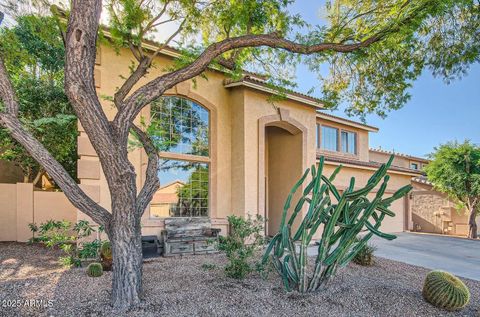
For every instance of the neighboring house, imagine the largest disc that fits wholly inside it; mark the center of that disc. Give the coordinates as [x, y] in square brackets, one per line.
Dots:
[242, 153]
[430, 211]
[434, 212]
[165, 202]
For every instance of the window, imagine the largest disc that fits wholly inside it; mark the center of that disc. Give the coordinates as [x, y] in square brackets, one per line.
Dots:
[414, 166]
[349, 142]
[329, 138]
[185, 193]
[180, 130]
[180, 126]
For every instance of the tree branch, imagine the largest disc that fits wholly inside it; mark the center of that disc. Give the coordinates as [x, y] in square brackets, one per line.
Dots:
[7, 92]
[158, 86]
[152, 183]
[10, 121]
[141, 70]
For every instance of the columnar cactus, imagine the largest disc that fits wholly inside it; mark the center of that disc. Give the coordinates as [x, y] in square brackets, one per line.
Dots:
[341, 215]
[94, 269]
[445, 290]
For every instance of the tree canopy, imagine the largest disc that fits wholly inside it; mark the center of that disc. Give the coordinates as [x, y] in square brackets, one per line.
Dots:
[405, 38]
[33, 52]
[455, 170]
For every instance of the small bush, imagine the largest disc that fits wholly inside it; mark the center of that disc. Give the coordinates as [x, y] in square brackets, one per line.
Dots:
[365, 255]
[89, 250]
[94, 269]
[246, 235]
[445, 290]
[66, 236]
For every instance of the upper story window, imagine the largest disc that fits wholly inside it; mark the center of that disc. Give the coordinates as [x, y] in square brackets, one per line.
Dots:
[329, 138]
[180, 130]
[349, 142]
[336, 140]
[414, 166]
[179, 125]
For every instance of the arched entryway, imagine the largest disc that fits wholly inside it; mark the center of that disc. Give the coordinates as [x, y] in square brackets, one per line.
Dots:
[282, 159]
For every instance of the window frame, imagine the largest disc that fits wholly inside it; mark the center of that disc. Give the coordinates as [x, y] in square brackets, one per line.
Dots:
[339, 140]
[191, 157]
[321, 136]
[417, 166]
[355, 134]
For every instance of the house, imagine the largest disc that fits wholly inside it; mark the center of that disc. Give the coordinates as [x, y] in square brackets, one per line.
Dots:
[430, 210]
[230, 149]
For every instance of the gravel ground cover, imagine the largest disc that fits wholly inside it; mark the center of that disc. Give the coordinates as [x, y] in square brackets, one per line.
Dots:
[183, 287]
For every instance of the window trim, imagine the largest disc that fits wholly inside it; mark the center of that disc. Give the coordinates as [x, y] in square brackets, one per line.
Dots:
[339, 140]
[321, 135]
[356, 141]
[190, 157]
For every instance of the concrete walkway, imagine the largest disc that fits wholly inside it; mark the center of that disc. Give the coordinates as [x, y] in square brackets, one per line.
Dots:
[455, 255]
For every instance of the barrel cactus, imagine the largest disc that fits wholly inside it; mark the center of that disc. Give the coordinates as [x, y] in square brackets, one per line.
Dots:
[445, 290]
[340, 215]
[94, 269]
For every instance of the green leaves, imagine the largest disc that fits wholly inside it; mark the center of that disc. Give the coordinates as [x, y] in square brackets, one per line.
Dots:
[455, 170]
[33, 52]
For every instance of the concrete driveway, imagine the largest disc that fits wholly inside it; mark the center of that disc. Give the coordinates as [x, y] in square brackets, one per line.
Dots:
[455, 255]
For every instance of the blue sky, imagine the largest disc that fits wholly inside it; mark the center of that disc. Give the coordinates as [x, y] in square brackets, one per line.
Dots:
[436, 113]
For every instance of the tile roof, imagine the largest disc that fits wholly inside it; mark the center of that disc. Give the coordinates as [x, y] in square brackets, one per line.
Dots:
[369, 127]
[421, 159]
[263, 83]
[423, 180]
[367, 164]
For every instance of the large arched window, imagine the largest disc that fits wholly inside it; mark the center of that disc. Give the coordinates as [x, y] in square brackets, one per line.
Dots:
[180, 129]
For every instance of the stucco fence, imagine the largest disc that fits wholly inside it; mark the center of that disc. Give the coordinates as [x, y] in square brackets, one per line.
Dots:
[21, 205]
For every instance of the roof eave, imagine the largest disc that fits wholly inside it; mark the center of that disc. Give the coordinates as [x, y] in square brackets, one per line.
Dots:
[347, 122]
[260, 87]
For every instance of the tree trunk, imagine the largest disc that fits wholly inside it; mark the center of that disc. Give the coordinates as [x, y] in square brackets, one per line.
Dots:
[126, 239]
[472, 233]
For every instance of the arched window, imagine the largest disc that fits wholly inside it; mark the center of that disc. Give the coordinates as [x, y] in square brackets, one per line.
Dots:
[180, 130]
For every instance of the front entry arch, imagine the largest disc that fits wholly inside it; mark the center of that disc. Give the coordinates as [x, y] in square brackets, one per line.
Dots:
[282, 160]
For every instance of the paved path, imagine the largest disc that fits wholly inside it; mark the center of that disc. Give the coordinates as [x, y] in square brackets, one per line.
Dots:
[455, 255]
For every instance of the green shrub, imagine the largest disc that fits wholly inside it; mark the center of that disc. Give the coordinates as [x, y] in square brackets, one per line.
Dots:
[445, 290]
[341, 217]
[94, 269]
[365, 255]
[89, 250]
[66, 236]
[245, 236]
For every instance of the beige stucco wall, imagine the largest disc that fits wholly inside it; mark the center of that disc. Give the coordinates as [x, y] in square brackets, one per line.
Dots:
[239, 160]
[8, 214]
[20, 205]
[283, 169]
[234, 138]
